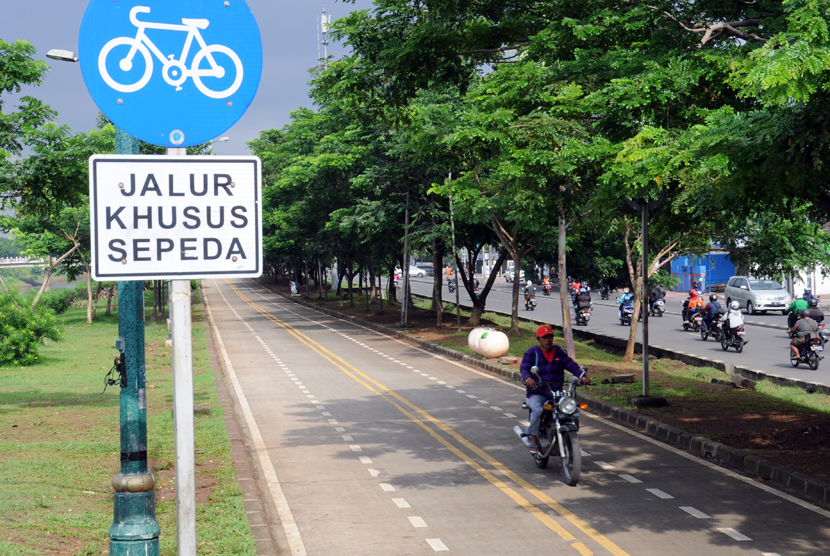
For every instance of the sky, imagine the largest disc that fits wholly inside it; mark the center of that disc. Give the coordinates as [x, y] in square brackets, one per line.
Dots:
[289, 42]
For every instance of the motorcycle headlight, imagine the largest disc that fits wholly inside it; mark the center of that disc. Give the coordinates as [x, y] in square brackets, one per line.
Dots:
[567, 405]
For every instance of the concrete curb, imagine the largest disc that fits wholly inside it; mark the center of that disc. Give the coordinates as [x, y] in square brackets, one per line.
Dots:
[814, 489]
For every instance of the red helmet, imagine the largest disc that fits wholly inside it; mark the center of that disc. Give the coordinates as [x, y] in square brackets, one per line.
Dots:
[693, 293]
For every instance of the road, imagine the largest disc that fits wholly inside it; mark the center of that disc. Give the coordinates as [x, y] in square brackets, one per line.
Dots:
[767, 351]
[371, 446]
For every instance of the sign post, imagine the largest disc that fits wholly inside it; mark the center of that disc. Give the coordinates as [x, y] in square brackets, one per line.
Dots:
[173, 74]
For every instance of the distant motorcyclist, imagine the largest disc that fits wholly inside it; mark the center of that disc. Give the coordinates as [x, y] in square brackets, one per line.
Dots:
[530, 291]
[808, 296]
[734, 318]
[798, 304]
[815, 313]
[583, 300]
[804, 329]
[692, 305]
[626, 298]
[711, 311]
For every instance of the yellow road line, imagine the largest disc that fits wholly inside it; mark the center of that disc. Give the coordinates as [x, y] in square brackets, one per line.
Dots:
[381, 389]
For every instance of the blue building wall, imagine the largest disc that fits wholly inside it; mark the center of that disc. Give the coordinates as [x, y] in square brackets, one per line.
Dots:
[697, 270]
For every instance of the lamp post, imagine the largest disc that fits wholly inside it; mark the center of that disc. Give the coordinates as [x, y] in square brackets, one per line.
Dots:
[134, 529]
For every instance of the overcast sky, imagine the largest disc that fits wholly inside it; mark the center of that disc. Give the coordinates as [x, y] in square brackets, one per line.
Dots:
[289, 44]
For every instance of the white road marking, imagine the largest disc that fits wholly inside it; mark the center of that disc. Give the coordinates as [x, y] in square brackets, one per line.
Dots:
[315, 401]
[770, 554]
[660, 494]
[450, 386]
[321, 407]
[374, 472]
[584, 453]
[461, 391]
[734, 534]
[604, 465]
[695, 512]
[470, 396]
[437, 545]
[630, 478]
[386, 487]
[339, 429]
[365, 459]
[496, 408]
[304, 391]
[417, 521]
[409, 367]
[325, 414]
[348, 438]
[433, 378]
[292, 532]
[356, 448]
[401, 503]
[510, 415]
[441, 382]
[333, 421]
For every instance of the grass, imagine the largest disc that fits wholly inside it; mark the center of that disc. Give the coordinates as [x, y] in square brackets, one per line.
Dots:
[59, 446]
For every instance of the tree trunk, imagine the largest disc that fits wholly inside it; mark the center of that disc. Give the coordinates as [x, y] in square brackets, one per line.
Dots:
[95, 303]
[372, 290]
[48, 274]
[109, 297]
[306, 277]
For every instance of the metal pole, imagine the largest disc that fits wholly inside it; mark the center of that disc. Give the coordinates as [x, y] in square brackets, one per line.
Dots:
[185, 444]
[134, 528]
[644, 296]
[405, 273]
[454, 258]
[563, 290]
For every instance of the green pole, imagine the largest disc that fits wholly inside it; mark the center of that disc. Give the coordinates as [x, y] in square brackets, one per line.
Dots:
[134, 530]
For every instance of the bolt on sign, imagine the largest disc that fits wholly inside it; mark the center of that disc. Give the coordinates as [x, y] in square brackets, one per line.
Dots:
[175, 217]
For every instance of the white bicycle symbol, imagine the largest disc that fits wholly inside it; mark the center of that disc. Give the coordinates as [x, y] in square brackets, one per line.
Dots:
[174, 71]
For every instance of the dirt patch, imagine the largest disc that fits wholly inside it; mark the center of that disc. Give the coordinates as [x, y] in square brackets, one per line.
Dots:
[166, 480]
[780, 431]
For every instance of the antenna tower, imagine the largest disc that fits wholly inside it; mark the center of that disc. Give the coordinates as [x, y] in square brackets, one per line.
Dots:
[323, 23]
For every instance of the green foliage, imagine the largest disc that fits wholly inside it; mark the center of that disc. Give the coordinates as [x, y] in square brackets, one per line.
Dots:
[8, 247]
[23, 330]
[56, 301]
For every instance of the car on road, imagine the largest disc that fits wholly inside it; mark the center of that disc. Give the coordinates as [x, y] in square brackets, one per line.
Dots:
[508, 275]
[413, 271]
[426, 267]
[755, 294]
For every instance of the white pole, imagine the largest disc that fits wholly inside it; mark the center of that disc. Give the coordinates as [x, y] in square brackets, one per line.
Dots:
[185, 444]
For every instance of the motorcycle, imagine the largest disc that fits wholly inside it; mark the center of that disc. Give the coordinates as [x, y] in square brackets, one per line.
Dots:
[558, 427]
[809, 353]
[733, 337]
[695, 321]
[713, 329]
[627, 313]
[451, 285]
[583, 316]
[604, 292]
[546, 289]
[530, 302]
[658, 307]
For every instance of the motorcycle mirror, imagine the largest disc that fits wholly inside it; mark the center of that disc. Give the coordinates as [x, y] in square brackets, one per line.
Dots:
[534, 370]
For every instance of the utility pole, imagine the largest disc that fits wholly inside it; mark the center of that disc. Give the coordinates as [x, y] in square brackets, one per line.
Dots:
[454, 258]
[134, 530]
[405, 272]
[644, 295]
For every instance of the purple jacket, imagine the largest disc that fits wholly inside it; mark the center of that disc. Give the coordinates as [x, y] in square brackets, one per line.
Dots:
[549, 372]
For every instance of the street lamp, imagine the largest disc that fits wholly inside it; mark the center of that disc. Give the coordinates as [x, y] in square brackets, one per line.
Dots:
[224, 139]
[134, 529]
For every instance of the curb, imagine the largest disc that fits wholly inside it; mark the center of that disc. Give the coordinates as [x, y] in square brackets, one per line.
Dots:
[809, 487]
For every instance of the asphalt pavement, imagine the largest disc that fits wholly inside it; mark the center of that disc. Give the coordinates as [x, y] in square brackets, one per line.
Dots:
[767, 351]
[369, 445]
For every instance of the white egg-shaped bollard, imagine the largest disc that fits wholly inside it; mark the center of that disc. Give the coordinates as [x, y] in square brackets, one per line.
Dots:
[493, 344]
[473, 337]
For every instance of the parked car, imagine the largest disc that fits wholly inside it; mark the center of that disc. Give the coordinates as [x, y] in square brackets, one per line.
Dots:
[508, 275]
[426, 267]
[413, 271]
[755, 294]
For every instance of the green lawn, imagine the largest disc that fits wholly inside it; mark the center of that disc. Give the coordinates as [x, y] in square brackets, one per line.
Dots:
[59, 446]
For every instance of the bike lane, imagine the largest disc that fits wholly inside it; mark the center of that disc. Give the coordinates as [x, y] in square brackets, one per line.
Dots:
[470, 417]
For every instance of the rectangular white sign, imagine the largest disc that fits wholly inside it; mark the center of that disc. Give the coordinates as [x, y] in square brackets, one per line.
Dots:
[175, 217]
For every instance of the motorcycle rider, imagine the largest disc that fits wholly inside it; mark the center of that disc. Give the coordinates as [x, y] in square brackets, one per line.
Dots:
[692, 305]
[734, 318]
[546, 284]
[712, 309]
[626, 297]
[530, 291]
[804, 329]
[815, 313]
[799, 304]
[583, 300]
[808, 295]
[551, 362]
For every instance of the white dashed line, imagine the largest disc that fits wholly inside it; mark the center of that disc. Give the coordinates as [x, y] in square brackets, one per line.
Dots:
[373, 472]
[333, 421]
[450, 386]
[630, 479]
[461, 391]
[510, 415]
[695, 512]
[584, 453]
[496, 408]
[356, 448]
[734, 534]
[309, 395]
[365, 459]
[660, 494]
[386, 487]
[325, 414]
[321, 407]
[433, 378]
[437, 545]
[441, 382]
[401, 503]
[339, 429]
[770, 554]
[483, 401]
[417, 521]
[470, 396]
[604, 465]
[315, 401]
[348, 438]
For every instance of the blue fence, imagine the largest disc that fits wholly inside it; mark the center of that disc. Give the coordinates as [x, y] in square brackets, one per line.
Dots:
[702, 272]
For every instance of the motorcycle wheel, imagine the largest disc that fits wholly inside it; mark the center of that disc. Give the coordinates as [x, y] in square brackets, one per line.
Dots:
[541, 462]
[703, 334]
[572, 462]
[739, 345]
[685, 327]
[724, 344]
[812, 360]
[794, 362]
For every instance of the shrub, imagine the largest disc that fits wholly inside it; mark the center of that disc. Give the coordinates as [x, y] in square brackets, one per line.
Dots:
[57, 300]
[22, 330]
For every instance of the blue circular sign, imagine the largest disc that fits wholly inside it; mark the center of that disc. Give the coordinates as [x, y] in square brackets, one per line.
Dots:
[175, 73]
